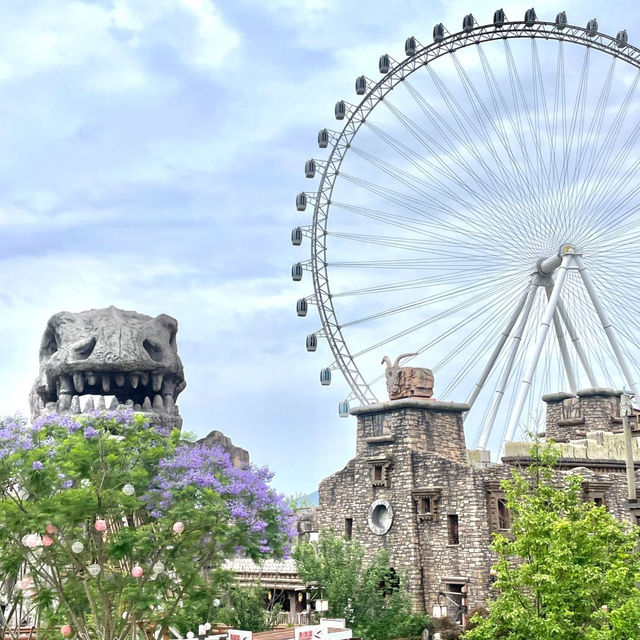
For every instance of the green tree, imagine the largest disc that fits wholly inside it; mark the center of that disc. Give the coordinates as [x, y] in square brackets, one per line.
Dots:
[247, 608]
[111, 525]
[570, 570]
[371, 597]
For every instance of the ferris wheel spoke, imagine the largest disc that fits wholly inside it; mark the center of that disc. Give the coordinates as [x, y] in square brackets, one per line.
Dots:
[519, 100]
[487, 284]
[404, 285]
[452, 149]
[508, 184]
[483, 116]
[422, 207]
[427, 227]
[603, 167]
[411, 181]
[441, 167]
[432, 319]
[576, 121]
[502, 110]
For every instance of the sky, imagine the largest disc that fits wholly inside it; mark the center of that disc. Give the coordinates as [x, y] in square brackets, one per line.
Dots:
[151, 153]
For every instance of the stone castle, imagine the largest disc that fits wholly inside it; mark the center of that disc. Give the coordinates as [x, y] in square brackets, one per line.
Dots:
[415, 490]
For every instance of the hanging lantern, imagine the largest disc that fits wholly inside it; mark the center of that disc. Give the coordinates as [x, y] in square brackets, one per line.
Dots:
[100, 525]
[50, 529]
[31, 540]
[47, 541]
[85, 483]
[178, 527]
[137, 571]
[216, 602]
[65, 630]
[77, 547]
[128, 489]
[94, 569]
[158, 567]
[300, 597]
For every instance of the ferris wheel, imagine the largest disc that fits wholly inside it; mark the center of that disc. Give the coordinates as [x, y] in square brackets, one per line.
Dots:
[480, 206]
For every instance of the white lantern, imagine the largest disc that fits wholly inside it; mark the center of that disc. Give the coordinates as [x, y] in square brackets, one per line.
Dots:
[158, 567]
[190, 635]
[77, 547]
[85, 483]
[128, 489]
[216, 602]
[94, 569]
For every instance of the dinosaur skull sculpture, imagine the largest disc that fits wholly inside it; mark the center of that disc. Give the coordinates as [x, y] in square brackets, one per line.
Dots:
[122, 357]
[407, 382]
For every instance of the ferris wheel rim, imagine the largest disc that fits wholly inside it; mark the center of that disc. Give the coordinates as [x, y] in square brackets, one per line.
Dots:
[331, 328]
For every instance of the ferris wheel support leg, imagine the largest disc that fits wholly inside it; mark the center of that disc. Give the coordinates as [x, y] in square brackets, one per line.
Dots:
[545, 323]
[504, 380]
[607, 326]
[577, 345]
[562, 343]
[501, 342]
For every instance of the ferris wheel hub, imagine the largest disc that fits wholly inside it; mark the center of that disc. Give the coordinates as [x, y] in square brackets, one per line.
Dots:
[546, 266]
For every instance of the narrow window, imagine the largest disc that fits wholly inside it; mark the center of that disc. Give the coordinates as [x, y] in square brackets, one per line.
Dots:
[348, 528]
[598, 501]
[377, 473]
[504, 517]
[425, 505]
[452, 526]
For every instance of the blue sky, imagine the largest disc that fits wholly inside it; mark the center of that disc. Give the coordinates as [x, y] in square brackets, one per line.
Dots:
[151, 153]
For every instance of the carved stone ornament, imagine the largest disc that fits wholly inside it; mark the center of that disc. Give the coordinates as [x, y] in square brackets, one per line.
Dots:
[407, 382]
[112, 358]
[380, 517]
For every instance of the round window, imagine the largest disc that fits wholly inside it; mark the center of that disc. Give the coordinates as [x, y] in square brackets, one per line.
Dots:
[380, 517]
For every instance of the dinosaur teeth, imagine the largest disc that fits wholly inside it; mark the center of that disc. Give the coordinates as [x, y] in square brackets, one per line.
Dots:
[75, 404]
[146, 405]
[119, 378]
[169, 404]
[78, 382]
[92, 378]
[101, 403]
[114, 404]
[89, 406]
[134, 379]
[144, 378]
[65, 385]
[157, 403]
[156, 381]
[64, 402]
[106, 382]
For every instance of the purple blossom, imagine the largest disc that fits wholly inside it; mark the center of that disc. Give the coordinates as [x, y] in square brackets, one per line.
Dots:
[90, 432]
[251, 502]
[67, 484]
[37, 465]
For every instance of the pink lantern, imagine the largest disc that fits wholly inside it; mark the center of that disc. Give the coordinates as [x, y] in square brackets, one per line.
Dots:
[178, 527]
[50, 529]
[100, 525]
[25, 583]
[47, 541]
[31, 541]
[65, 630]
[137, 571]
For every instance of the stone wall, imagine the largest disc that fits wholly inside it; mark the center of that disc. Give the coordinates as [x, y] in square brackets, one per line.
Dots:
[411, 457]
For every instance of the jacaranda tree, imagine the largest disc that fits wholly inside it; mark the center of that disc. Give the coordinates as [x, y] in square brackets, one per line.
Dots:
[108, 524]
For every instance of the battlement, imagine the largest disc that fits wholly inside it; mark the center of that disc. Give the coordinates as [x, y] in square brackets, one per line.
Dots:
[570, 416]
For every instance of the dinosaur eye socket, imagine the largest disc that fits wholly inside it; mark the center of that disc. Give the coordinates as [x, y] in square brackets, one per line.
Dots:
[153, 349]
